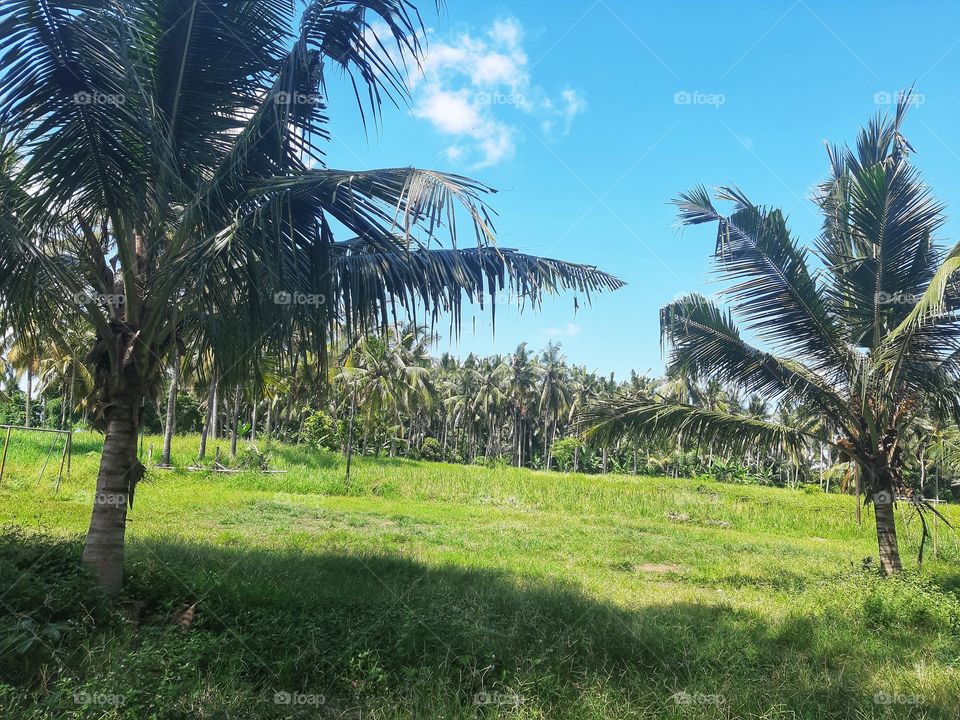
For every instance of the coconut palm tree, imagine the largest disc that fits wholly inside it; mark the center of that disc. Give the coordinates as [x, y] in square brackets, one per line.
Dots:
[871, 340]
[554, 395]
[521, 391]
[162, 178]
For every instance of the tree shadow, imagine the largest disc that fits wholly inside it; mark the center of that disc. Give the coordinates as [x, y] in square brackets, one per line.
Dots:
[429, 641]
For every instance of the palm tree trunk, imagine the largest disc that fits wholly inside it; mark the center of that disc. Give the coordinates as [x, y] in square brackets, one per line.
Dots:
[26, 404]
[266, 428]
[235, 423]
[211, 396]
[215, 415]
[171, 424]
[253, 421]
[63, 406]
[353, 410]
[120, 470]
[887, 535]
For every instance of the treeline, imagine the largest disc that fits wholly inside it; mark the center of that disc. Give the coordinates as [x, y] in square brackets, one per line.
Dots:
[388, 395]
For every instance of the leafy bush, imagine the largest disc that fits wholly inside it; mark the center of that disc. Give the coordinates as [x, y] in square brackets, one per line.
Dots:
[320, 430]
[563, 453]
[430, 449]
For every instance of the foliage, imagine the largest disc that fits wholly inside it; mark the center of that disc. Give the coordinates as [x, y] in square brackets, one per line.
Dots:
[321, 431]
[50, 602]
[430, 449]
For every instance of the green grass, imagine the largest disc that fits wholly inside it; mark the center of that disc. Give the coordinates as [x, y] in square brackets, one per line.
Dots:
[418, 586]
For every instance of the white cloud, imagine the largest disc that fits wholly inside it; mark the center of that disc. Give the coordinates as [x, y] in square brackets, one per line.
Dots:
[473, 83]
[571, 330]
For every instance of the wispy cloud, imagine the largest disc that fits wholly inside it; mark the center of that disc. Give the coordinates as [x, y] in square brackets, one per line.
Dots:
[473, 83]
[571, 330]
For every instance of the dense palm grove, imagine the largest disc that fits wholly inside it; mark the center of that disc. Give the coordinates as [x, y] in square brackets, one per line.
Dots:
[522, 409]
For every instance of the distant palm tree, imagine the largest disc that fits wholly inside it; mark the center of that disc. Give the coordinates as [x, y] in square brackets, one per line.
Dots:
[554, 396]
[521, 387]
[162, 178]
[871, 341]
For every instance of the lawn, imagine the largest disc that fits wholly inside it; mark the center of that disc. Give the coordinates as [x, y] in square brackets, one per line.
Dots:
[424, 590]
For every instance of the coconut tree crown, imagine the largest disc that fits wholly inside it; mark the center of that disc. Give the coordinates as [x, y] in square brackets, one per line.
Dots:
[867, 338]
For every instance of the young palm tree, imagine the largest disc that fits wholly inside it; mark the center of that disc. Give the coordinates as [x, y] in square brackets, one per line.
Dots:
[162, 178]
[871, 341]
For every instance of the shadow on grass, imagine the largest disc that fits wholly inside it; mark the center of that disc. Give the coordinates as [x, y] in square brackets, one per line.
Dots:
[221, 631]
[426, 640]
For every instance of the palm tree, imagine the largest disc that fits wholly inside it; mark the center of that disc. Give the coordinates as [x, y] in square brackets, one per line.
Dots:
[521, 384]
[871, 341]
[162, 172]
[554, 395]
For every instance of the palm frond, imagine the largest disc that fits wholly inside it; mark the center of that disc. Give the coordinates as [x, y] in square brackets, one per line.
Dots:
[705, 343]
[773, 290]
[647, 419]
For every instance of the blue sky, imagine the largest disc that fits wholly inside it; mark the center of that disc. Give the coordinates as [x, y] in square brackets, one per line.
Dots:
[588, 117]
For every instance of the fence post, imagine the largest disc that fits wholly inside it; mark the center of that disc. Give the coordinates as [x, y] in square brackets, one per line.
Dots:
[6, 444]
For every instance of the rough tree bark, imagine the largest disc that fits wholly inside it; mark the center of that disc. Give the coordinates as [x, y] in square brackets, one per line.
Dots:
[120, 470]
[882, 486]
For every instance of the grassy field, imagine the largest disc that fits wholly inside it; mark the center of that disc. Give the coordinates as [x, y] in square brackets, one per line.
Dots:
[423, 590]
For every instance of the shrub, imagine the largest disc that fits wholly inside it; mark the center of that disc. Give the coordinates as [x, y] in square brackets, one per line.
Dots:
[563, 452]
[430, 449]
[320, 430]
